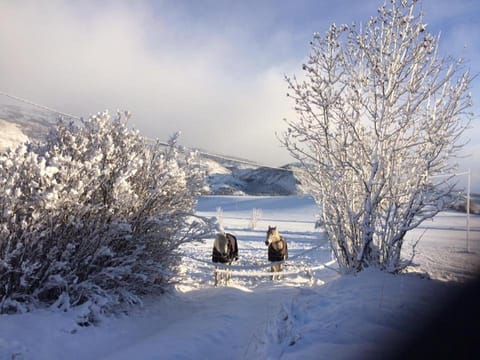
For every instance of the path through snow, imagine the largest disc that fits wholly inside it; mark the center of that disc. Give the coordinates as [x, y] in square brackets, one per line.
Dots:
[308, 314]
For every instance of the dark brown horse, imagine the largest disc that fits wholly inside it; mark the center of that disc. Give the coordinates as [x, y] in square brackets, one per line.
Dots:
[277, 248]
[225, 251]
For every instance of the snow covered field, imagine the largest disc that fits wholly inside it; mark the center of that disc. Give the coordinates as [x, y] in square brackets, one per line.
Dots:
[312, 313]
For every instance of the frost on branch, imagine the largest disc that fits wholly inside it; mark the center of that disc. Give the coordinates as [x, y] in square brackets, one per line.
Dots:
[93, 217]
[380, 114]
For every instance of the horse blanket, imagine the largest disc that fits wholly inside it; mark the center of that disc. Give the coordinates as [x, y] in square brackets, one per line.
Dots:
[278, 255]
[232, 253]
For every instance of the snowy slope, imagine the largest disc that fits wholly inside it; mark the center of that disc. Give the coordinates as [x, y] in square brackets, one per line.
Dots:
[226, 176]
[312, 313]
[32, 121]
[10, 135]
[229, 178]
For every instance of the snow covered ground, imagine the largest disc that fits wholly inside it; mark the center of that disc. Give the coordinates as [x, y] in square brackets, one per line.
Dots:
[312, 313]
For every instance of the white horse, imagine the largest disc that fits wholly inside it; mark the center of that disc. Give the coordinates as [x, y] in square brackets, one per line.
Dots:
[277, 248]
[225, 251]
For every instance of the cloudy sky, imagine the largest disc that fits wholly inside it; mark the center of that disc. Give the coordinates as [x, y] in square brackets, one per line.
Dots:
[211, 69]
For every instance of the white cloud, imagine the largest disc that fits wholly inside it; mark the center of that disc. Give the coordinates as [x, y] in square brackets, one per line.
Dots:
[218, 79]
[118, 56]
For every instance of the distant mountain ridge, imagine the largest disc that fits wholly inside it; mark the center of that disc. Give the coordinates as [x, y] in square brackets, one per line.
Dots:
[229, 175]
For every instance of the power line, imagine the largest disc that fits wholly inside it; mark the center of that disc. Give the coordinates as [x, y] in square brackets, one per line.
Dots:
[38, 105]
[222, 157]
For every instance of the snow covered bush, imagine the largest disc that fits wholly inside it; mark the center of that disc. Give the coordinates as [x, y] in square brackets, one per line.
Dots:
[255, 218]
[380, 115]
[219, 219]
[94, 217]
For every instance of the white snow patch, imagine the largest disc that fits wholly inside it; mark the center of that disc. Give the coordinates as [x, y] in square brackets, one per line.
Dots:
[10, 135]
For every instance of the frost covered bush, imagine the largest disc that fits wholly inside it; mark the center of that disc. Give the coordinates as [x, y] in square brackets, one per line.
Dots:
[255, 218]
[94, 217]
[220, 219]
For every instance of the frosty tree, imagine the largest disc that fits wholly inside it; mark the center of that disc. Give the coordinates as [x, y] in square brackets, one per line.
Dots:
[380, 113]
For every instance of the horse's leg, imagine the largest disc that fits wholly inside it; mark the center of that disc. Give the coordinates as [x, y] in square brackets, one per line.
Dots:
[222, 276]
[227, 276]
[216, 276]
[276, 269]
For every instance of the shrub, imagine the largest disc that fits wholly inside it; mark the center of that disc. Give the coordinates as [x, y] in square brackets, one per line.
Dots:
[256, 216]
[94, 216]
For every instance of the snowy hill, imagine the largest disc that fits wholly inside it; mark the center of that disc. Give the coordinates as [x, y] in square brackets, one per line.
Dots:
[226, 176]
[33, 123]
[239, 179]
[10, 135]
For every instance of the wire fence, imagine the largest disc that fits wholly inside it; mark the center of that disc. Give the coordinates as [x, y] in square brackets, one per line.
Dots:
[255, 270]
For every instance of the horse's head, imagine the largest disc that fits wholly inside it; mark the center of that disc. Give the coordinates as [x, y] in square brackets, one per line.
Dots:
[221, 243]
[272, 235]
